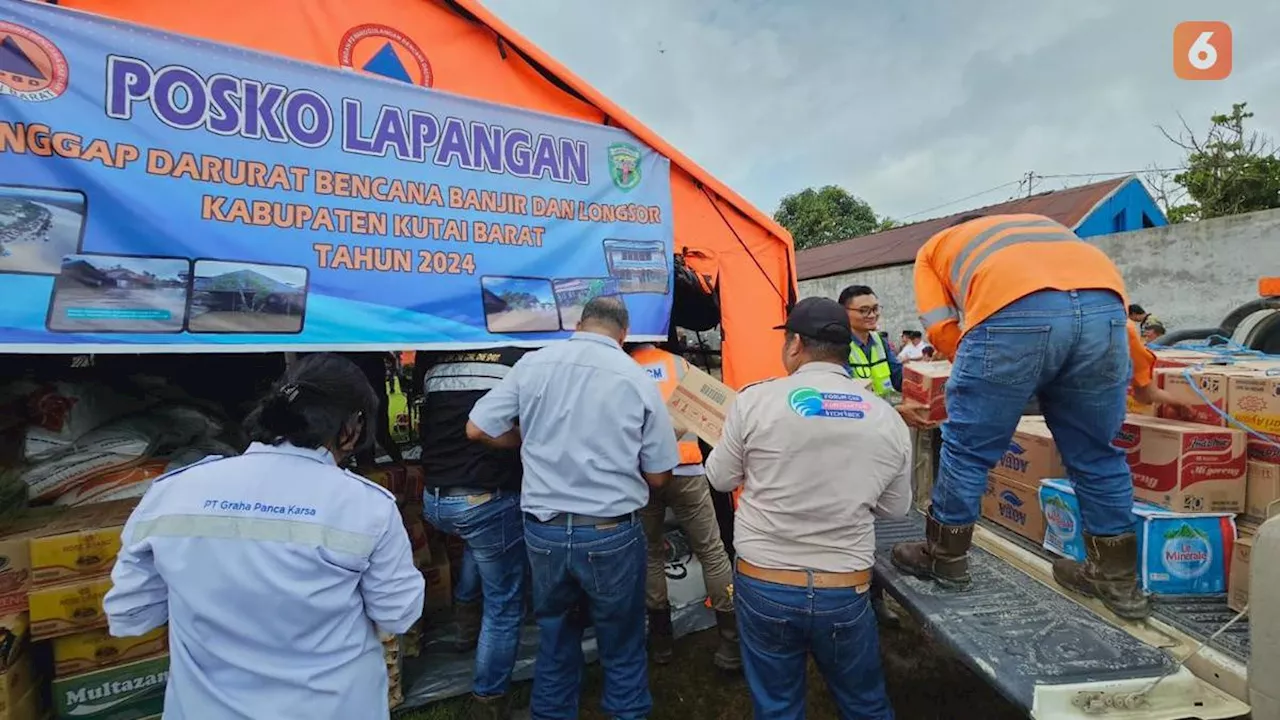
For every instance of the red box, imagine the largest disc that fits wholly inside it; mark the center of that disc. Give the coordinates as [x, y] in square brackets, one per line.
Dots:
[924, 383]
[1184, 466]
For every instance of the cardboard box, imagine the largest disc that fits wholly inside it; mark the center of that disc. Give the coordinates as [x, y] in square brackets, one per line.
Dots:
[1183, 466]
[15, 555]
[25, 708]
[699, 404]
[1262, 491]
[1238, 581]
[1254, 400]
[1032, 455]
[419, 534]
[83, 543]
[15, 634]
[1177, 358]
[439, 582]
[123, 692]
[1014, 504]
[68, 609]
[88, 651]
[1193, 386]
[16, 684]
[924, 384]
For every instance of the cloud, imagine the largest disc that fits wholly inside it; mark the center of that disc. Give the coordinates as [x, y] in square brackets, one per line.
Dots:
[907, 105]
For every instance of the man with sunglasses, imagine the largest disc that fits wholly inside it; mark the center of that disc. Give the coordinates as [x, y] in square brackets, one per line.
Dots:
[869, 355]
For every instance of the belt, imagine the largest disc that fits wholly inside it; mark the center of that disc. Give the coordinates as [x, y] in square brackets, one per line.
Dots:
[859, 580]
[462, 491]
[575, 520]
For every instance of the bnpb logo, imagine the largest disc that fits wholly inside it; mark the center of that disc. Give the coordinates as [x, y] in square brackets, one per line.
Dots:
[382, 50]
[31, 67]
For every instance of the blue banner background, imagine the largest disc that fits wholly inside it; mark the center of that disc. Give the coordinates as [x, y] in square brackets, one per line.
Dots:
[131, 212]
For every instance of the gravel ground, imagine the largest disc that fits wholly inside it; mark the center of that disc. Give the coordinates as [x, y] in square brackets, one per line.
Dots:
[924, 680]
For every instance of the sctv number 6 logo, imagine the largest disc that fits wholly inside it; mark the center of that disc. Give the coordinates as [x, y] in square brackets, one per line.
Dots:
[1202, 50]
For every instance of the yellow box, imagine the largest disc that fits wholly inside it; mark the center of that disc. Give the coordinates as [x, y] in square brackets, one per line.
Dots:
[25, 708]
[96, 649]
[67, 609]
[15, 633]
[87, 548]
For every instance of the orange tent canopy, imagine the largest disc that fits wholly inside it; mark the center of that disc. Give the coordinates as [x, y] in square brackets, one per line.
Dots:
[460, 47]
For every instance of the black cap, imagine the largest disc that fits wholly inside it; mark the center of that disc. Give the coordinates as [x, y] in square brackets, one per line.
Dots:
[819, 318]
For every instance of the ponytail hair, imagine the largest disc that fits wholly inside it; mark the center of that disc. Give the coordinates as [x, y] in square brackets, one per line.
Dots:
[313, 404]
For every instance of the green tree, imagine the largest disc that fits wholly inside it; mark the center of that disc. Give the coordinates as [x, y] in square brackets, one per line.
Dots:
[1229, 171]
[819, 216]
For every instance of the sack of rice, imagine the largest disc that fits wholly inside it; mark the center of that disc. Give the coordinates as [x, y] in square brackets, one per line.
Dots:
[126, 482]
[109, 449]
[59, 413]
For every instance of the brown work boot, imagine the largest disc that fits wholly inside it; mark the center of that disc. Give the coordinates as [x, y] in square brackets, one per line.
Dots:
[662, 641]
[943, 556]
[467, 617]
[1109, 573]
[728, 655]
[497, 707]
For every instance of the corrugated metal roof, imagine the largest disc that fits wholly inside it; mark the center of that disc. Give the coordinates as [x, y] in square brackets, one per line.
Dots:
[900, 245]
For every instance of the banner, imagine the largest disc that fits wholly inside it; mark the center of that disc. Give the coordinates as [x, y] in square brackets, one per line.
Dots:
[165, 194]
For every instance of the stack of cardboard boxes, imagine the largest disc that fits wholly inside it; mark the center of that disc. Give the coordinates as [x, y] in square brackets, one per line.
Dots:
[1247, 390]
[1201, 484]
[55, 568]
[924, 385]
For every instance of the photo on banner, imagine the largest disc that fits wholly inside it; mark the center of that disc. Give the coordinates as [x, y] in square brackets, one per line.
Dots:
[519, 304]
[119, 294]
[347, 211]
[38, 228]
[240, 297]
[572, 294]
[639, 266]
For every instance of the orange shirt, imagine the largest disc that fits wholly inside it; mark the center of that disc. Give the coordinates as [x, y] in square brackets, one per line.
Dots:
[966, 273]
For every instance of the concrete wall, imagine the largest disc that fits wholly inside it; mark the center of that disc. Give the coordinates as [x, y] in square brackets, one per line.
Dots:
[1188, 275]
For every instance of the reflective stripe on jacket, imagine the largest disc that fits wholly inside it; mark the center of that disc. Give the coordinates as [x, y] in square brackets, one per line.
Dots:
[668, 370]
[966, 273]
[876, 368]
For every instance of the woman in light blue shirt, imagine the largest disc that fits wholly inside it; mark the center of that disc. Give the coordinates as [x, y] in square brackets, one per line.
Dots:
[274, 569]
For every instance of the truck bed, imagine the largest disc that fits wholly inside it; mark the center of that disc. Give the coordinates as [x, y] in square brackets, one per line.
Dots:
[1017, 633]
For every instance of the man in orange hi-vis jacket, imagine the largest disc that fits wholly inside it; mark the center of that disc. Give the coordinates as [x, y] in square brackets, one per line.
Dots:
[1024, 309]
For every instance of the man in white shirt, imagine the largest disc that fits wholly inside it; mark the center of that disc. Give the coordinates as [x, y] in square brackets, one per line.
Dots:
[913, 346]
[818, 457]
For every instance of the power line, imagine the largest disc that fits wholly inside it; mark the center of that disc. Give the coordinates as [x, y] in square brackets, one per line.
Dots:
[960, 200]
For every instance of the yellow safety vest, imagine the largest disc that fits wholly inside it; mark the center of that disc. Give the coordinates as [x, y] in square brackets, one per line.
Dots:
[668, 370]
[876, 368]
[398, 413]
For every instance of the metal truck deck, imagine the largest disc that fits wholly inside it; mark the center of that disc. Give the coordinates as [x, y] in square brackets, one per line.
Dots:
[1037, 646]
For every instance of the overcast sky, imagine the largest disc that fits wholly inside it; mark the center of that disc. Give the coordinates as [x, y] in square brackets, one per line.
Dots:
[909, 105]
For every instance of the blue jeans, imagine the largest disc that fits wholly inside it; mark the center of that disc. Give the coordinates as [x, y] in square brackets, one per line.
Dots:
[1070, 348]
[607, 566]
[781, 626]
[466, 584]
[494, 538]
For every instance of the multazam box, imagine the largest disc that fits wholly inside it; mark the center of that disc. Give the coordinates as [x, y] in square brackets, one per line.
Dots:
[1014, 504]
[123, 692]
[1179, 553]
[1185, 466]
[924, 384]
